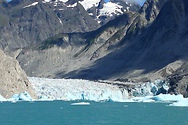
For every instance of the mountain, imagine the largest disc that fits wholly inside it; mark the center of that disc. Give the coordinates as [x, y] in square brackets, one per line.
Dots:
[28, 22]
[66, 55]
[136, 46]
[13, 79]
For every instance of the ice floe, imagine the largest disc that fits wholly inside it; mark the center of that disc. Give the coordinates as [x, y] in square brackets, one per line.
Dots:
[81, 103]
[181, 103]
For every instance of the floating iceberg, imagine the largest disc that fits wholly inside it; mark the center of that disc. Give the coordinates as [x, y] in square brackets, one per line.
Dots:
[81, 103]
[159, 98]
[181, 103]
[167, 97]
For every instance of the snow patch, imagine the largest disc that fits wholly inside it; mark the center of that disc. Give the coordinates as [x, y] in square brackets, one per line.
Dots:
[33, 4]
[167, 97]
[60, 21]
[89, 3]
[47, 1]
[74, 5]
[110, 8]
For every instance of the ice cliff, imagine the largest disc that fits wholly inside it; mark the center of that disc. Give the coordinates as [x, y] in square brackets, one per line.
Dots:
[74, 89]
[84, 90]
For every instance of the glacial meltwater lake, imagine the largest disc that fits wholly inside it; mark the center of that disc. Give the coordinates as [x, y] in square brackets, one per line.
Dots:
[107, 113]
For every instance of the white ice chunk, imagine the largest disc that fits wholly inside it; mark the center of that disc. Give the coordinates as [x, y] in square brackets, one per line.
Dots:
[2, 99]
[159, 98]
[81, 103]
[167, 97]
[181, 103]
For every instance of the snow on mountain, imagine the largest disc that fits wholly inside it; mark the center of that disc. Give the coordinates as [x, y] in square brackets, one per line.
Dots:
[100, 10]
[110, 8]
[74, 5]
[87, 4]
[33, 4]
[46, 1]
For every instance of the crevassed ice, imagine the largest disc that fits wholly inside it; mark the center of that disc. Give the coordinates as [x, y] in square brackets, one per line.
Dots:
[76, 89]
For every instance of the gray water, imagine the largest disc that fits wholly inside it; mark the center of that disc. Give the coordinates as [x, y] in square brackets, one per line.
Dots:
[108, 113]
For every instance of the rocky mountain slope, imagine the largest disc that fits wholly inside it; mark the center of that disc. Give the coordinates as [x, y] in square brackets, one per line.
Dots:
[64, 55]
[13, 79]
[28, 22]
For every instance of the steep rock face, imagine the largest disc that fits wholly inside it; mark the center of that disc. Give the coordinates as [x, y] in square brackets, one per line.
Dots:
[151, 9]
[163, 43]
[147, 14]
[13, 79]
[160, 51]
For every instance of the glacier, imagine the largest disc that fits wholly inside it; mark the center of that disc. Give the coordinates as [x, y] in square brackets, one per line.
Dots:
[76, 89]
[99, 91]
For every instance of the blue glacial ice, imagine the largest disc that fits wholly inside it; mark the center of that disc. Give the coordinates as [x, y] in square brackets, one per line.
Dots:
[24, 96]
[69, 89]
[77, 89]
